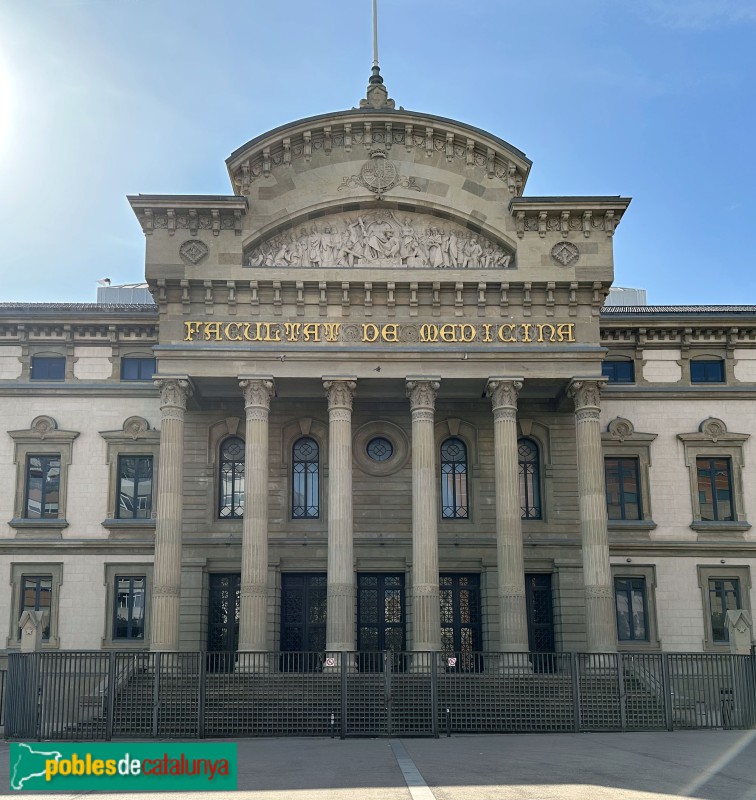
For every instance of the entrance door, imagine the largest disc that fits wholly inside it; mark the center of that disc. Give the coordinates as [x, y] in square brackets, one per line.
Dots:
[223, 620]
[540, 613]
[303, 619]
[380, 617]
[461, 634]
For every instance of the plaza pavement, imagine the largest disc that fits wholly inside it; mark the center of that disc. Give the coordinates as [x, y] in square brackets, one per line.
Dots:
[716, 765]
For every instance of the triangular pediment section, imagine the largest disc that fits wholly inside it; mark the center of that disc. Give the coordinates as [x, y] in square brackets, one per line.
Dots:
[381, 237]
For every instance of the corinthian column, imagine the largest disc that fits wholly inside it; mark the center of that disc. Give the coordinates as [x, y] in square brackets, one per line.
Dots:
[340, 622]
[166, 589]
[513, 619]
[253, 599]
[426, 616]
[599, 600]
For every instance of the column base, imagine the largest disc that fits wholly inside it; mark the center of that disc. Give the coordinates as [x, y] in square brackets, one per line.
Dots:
[514, 664]
[253, 662]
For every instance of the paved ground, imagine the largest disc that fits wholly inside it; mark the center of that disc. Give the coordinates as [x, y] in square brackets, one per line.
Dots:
[717, 765]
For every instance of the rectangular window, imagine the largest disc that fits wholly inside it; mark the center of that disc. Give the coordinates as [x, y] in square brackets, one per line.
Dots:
[128, 621]
[724, 596]
[714, 489]
[134, 487]
[36, 595]
[707, 371]
[48, 368]
[631, 607]
[137, 369]
[618, 371]
[622, 488]
[42, 499]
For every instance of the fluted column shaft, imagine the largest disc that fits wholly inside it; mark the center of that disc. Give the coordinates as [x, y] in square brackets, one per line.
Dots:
[340, 621]
[513, 619]
[166, 589]
[599, 599]
[253, 601]
[426, 615]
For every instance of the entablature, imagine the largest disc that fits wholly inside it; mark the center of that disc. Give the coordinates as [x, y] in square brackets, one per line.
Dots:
[565, 215]
[215, 213]
[331, 296]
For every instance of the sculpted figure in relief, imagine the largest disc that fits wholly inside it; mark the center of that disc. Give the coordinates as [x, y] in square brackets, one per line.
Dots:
[380, 238]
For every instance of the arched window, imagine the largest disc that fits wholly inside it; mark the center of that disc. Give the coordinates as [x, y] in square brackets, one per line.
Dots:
[231, 479]
[530, 479]
[305, 477]
[454, 479]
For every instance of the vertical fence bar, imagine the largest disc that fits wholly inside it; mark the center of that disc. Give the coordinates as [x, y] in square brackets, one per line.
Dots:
[156, 662]
[434, 694]
[387, 690]
[351, 657]
[667, 692]
[111, 695]
[202, 695]
[621, 692]
[574, 674]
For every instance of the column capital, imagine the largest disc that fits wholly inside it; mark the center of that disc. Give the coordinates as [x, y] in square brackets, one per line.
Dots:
[586, 392]
[422, 392]
[340, 392]
[503, 392]
[258, 392]
[174, 392]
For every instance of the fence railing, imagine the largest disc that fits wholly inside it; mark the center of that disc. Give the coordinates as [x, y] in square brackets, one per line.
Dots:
[95, 695]
[3, 676]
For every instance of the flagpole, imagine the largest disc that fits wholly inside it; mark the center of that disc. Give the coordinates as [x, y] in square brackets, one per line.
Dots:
[375, 33]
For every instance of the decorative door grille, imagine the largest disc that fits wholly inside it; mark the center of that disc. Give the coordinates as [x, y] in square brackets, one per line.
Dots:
[460, 620]
[380, 616]
[303, 619]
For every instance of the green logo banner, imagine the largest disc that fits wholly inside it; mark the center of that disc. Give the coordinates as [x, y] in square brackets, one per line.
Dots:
[122, 766]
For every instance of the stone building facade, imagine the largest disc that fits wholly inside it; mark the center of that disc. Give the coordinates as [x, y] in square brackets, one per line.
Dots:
[377, 405]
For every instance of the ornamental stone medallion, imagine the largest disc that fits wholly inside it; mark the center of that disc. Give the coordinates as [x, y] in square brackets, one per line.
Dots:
[381, 238]
[193, 251]
[378, 175]
[565, 253]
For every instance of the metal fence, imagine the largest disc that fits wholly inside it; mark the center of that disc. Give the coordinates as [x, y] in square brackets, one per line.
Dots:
[3, 676]
[96, 695]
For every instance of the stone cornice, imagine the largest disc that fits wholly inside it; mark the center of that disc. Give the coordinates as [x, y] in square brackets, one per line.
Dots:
[649, 333]
[102, 331]
[567, 215]
[390, 129]
[215, 213]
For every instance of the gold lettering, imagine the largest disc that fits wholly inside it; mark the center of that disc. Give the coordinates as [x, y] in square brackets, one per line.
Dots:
[526, 326]
[466, 332]
[237, 337]
[566, 332]
[311, 330]
[541, 328]
[292, 330]
[448, 333]
[512, 337]
[487, 332]
[429, 333]
[213, 331]
[190, 330]
[370, 332]
[332, 331]
[390, 332]
[255, 336]
[276, 335]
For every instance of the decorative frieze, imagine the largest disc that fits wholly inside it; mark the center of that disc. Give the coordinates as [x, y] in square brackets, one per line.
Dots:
[568, 217]
[158, 212]
[381, 239]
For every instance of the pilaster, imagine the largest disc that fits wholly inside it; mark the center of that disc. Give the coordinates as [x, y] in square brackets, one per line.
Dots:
[166, 590]
[253, 600]
[599, 599]
[425, 594]
[513, 620]
[340, 621]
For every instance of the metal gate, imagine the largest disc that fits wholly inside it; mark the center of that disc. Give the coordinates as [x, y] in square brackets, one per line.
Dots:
[96, 695]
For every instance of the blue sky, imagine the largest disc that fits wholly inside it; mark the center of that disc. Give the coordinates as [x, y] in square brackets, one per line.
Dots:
[654, 99]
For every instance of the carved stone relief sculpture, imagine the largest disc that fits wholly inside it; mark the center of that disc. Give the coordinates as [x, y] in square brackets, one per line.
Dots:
[381, 238]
